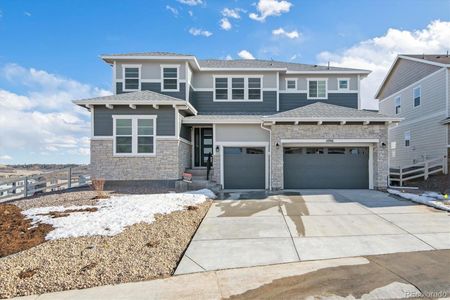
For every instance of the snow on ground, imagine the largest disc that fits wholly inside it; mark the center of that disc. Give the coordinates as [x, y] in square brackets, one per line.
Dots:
[114, 214]
[431, 199]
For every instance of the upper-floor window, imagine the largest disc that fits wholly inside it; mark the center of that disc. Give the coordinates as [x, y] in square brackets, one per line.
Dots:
[134, 135]
[343, 84]
[237, 88]
[291, 84]
[407, 138]
[398, 104]
[131, 77]
[417, 95]
[317, 88]
[170, 78]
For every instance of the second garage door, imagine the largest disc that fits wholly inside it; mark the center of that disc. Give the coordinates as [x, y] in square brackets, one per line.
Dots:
[326, 168]
[244, 168]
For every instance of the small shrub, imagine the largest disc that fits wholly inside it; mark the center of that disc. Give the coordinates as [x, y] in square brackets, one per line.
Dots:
[98, 185]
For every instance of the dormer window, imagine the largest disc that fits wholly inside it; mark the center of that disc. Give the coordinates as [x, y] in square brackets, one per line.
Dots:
[170, 78]
[343, 84]
[291, 84]
[317, 88]
[131, 77]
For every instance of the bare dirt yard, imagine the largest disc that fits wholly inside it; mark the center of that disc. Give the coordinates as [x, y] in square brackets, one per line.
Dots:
[31, 264]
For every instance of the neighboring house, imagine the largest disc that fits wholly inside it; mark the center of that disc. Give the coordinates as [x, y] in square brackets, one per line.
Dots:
[416, 88]
[267, 124]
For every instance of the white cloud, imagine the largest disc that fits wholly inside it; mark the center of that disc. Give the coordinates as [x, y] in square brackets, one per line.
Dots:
[281, 32]
[228, 57]
[378, 53]
[294, 57]
[244, 54]
[232, 12]
[43, 119]
[197, 32]
[225, 24]
[5, 157]
[173, 10]
[190, 13]
[27, 13]
[268, 8]
[191, 2]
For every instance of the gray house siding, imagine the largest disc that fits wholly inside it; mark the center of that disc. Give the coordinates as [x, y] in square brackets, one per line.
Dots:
[103, 121]
[203, 102]
[185, 132]
[156, 87]
[293, 100]
[403, 74]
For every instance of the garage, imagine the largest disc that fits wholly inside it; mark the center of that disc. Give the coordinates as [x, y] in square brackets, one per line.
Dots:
[244, 168]
[326, 167]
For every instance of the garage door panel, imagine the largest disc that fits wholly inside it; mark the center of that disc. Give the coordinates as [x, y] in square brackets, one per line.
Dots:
[244, 168]
[325, 170]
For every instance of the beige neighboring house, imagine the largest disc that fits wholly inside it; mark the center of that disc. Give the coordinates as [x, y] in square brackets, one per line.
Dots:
[416, 88]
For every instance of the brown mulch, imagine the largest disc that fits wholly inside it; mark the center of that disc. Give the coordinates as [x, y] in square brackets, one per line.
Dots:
[60, 214]
[16, 233]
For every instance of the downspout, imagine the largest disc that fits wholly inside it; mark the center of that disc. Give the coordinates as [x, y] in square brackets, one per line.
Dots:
[270, 156]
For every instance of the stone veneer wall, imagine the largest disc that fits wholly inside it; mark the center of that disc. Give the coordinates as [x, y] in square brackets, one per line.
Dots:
[168, 164]
[216, 165]
[380, 154]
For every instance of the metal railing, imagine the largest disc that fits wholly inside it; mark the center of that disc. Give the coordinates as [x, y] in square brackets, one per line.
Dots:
[208, 166]
[25, 186]
[420, 170]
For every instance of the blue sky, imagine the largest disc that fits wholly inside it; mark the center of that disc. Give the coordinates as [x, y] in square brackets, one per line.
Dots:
[50, 50]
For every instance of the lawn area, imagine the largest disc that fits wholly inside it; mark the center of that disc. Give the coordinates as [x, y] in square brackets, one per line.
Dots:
[73, 240]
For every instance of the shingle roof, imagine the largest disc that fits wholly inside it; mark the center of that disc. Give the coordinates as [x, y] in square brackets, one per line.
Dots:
[217, 118]
[268, 64]
[148, 54]
[437, 58]
[144, 96]
[325, 111]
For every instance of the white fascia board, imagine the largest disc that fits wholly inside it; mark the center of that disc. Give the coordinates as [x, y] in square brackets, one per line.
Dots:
[329, 72]
[245, 69]
[228, 121]
[333, 119]
[425, 61]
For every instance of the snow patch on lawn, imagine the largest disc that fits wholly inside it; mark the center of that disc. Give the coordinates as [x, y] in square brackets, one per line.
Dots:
[431, 199]
[113, 215]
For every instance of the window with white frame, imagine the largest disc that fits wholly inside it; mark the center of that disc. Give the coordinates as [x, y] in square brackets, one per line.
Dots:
[131, 77]
[317, 88]
[343, 84]
[417, 95]
[237, 88]
[221, 88]
[398, 104]
[407, 138]
[291, 84]
[134, 135]
[170, 78]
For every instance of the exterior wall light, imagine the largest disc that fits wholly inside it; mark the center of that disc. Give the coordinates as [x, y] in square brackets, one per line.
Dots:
[277, 145]
[383, 145]
[217, 148]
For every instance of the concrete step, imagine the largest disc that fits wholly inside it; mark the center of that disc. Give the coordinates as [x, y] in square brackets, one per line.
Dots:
[198, 172]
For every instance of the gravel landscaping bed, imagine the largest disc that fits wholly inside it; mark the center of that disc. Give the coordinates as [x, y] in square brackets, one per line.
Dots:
[141, 252]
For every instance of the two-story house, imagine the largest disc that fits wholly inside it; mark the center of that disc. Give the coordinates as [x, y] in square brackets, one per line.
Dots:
[267, 124]
[416, 89]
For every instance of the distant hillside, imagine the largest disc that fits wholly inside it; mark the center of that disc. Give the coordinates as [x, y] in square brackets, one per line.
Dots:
[42, 167]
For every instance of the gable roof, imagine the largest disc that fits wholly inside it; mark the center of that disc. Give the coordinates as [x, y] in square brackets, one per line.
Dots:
[135, 98]
[437, 60]
[320, 111]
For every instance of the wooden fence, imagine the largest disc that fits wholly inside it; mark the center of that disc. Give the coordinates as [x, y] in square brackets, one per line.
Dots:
[26, 186]
[419, 170]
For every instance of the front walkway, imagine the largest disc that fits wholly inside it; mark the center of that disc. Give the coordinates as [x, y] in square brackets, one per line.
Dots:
[392, 276]
[253, 229]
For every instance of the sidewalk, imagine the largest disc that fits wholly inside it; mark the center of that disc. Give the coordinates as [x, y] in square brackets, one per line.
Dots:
[390, 276]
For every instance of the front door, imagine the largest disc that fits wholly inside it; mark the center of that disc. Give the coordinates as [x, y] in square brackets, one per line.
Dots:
[203, 145]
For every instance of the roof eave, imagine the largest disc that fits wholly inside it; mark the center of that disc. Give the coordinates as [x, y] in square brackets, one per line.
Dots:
[363, 72]
[317, 119]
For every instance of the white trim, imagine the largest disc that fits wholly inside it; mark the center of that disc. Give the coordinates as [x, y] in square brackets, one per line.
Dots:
[244, 145]
[326, 88]
[92, 121]
[348, 84]
[414, 97]
[134, 135]
[218, 121]
[328, 141]
[125, 66]
[162, 67]
[409, 86]
[366, 72]
[358, 83]
[230, 88]
[295, 79]
[315, 119]
[186, 86]
[425, 61]
[101, 138]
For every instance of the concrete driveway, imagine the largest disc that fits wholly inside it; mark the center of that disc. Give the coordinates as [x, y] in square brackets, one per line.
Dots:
[252, 229]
